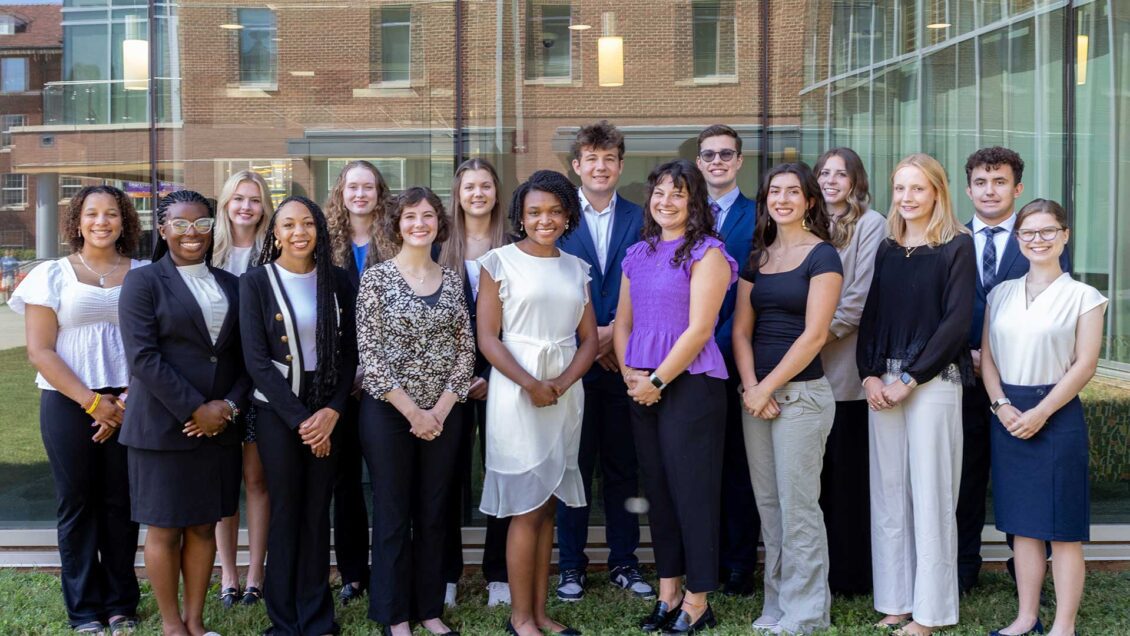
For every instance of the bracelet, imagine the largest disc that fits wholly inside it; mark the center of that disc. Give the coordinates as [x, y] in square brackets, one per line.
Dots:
[234, 410]
[93, 404]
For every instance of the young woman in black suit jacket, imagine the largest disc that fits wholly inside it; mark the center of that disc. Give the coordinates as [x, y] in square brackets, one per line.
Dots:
[300, 348]
[180, 329]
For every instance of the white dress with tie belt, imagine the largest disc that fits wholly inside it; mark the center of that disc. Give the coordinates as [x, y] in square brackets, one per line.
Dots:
[531, 452]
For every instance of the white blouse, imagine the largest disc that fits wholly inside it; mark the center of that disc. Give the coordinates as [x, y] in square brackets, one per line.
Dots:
[211, 298]
[302, 292]
[238, 259]
[89, 340]
[473, 271]
[1034, 344]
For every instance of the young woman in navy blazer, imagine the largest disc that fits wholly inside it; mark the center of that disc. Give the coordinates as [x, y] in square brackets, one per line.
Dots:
[300, 347]
[180, 329]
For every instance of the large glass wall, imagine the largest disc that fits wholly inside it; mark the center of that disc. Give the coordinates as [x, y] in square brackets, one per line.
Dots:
[160, 95]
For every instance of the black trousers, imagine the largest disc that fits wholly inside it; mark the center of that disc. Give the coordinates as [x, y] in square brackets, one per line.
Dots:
[975, 417]
[741, 525]
[412, 480]
[460, 499]
[845, 498]
[296, 584]
[350, 512]
[606, 434]
[679, 442]
[97, 540]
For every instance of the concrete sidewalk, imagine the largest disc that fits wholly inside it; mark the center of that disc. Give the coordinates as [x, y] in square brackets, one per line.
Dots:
[11, 329]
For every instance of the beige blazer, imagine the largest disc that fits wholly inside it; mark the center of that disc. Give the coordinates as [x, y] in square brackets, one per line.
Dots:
[858, 257]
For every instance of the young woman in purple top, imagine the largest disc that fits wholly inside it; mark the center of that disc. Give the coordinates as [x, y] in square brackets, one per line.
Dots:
[672, 289]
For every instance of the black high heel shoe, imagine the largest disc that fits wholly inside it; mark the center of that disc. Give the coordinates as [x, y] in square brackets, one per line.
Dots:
[660, 617]
[683, 625]
[510, 628]
[1038, 628]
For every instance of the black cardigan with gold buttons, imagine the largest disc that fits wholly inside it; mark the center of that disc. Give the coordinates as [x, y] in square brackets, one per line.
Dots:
[272, 350]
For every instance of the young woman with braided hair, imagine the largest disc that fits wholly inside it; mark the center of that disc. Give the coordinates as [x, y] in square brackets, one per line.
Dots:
[537, 328]
[300, 349]
[180, 331]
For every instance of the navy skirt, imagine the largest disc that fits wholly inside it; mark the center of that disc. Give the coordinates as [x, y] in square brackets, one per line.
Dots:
[178, 489]
[1041, 485]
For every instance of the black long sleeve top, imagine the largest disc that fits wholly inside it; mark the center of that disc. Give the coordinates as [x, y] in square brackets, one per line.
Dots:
[918, 310]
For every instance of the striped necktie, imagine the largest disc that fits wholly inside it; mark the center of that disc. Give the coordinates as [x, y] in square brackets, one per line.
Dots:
[989, 257]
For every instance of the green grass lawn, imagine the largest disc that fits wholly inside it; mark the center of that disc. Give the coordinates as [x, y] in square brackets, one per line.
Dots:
[32, 604]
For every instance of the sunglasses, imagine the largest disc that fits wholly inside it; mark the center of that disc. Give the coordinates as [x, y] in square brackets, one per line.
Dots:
[726, 155]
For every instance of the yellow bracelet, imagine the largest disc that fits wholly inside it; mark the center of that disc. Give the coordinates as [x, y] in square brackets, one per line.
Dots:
[94, 404]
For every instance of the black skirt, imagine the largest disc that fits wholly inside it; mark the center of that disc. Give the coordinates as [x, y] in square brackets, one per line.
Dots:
[178, 489]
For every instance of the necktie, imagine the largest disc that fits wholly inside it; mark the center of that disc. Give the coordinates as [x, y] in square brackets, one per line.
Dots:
[716, 210]
[989, 257]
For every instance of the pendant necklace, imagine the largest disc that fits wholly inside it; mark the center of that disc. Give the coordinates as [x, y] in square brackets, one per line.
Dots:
[419, 279]
[101, 277]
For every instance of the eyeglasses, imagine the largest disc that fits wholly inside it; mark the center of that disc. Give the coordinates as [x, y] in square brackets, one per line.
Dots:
[1045, 234]
[180, 226]
[726, 155]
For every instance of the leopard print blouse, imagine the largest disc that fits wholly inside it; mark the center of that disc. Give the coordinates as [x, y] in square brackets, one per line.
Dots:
[405, 344]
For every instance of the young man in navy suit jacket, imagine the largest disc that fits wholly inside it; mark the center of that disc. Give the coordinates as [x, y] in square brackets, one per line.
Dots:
[609, 225]
[993, 177]
[720, 160]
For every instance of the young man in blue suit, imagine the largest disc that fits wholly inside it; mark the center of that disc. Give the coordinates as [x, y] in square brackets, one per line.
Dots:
[720, 160]
[609, 225]
[993, 177]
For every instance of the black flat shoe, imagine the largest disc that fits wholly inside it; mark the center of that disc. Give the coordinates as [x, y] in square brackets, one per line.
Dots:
[349, 593]
[1038, 628]
[683, 625]
[228, 596]
[568, 631]
[252, 595]
[510, 628]
[738, 584]
[659, 618]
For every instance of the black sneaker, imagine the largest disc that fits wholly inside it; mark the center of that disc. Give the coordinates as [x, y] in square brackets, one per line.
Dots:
[629, 578]
[571, 586]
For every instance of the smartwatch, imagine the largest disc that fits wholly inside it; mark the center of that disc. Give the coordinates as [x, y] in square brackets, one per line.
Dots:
[907, 380]
[997, 404]
[657, 383]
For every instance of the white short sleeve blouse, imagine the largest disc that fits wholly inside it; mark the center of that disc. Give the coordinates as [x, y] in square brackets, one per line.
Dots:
[89, 339]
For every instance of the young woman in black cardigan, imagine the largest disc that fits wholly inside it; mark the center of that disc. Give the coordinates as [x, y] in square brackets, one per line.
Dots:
[300, 348]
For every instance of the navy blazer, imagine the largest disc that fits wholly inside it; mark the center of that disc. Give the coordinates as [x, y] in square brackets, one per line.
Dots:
[173, 365]
[1012, 265]
[605, 285]
[737, 234]
[267, 350]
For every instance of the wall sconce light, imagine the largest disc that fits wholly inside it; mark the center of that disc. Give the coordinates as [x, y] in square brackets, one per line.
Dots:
[610, 53]
[1082, 43]
[135, 56]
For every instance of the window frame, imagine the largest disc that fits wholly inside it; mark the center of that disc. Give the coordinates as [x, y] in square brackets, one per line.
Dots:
[537, 25]
[4, 62]
[7, 122]
[377, 70]
[271, 31]
[6, 189]
[726, 17]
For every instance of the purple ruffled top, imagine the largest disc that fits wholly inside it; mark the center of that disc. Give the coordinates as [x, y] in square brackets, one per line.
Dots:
[661, 296]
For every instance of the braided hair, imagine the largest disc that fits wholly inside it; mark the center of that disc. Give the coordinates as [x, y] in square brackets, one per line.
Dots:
[326, 331]
[700, 220]
[550, 182]
[161, 246]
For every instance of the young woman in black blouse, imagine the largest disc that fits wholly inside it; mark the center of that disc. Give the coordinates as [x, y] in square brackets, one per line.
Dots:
[417, 353]
[786, 297]
[913, 358]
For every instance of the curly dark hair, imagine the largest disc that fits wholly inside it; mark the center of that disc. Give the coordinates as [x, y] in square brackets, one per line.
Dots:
[599, 136]
[700, 219]
[161, 246]
[327, 334]
[816, 217]
[551, 182]
[131, 224]
[994, 157]
[408, 198]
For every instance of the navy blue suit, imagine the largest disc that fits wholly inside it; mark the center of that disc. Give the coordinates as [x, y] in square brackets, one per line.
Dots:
[605, 430]
[739, 523]
[975, 425]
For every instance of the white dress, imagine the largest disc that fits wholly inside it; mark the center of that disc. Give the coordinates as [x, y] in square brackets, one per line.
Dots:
[531, 452]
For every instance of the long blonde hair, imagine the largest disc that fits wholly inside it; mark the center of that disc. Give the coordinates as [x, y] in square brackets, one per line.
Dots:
[943, 226]
[341, 231]
[222, 237]
[858, 198]
[455, 247]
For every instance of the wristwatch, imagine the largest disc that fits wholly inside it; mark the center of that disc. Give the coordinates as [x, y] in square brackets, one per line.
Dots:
[998, 403]
[657, 383]
[907, 380]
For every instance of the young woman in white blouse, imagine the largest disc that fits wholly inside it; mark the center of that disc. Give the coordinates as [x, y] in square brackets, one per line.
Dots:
[241, 227]
[73, 341]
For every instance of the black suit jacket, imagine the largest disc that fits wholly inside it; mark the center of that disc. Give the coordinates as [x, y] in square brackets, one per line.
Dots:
[174, 367]
[267, 350]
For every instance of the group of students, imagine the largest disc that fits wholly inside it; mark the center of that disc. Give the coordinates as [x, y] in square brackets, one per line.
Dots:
[787, 363]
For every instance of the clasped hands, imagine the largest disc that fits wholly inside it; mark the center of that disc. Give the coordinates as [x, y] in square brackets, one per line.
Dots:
[545, 392]
[107, 417]
[760, 403]
[1021, 425]
[208, 420]
[427, 424]
[640, 388]
[881, 397]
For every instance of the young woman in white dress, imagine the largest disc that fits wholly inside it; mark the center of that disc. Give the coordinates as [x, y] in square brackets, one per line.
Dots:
[538, 330]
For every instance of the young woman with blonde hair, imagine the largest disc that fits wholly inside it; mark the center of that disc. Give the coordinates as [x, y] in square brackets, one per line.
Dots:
[913, 357]
[243, 211]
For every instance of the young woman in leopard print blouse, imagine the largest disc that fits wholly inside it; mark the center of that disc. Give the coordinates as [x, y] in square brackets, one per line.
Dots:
[417, 355]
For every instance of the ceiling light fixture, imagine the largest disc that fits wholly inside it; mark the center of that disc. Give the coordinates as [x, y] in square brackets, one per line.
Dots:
[939, 25]
[231, 27]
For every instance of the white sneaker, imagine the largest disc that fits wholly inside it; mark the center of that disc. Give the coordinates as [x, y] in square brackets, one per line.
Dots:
[449, 596]
[498, 593]
[767, 625]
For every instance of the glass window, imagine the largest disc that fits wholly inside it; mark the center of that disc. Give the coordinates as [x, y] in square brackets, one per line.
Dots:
[714, 41]
[395, 31]
[6, 123]
[13, 75]
[549, 42]
[10, 25]
[13, 190]
[258, 50]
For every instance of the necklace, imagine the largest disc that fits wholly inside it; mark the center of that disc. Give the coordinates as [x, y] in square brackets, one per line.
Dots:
[101, 277]
[404, 270]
